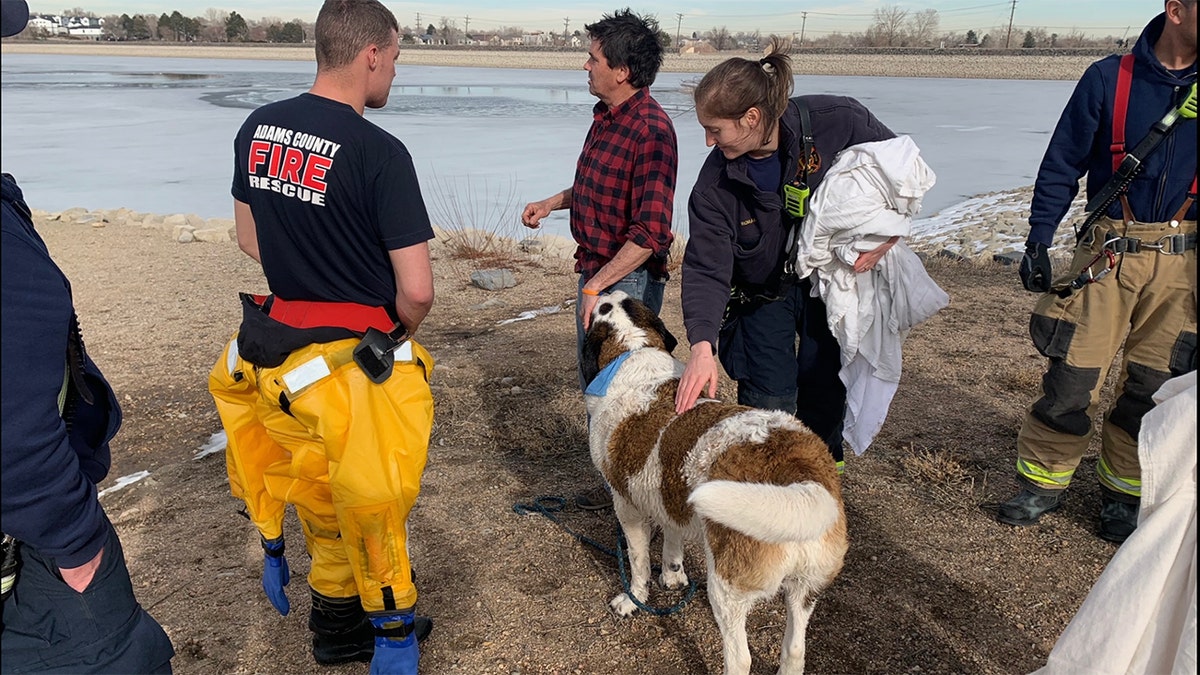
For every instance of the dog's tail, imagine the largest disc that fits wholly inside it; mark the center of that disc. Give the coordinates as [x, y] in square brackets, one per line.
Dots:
[772, 513]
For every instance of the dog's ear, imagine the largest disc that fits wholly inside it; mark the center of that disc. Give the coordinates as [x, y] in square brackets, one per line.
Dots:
[641, 315]
[593, 343]
[669, 340]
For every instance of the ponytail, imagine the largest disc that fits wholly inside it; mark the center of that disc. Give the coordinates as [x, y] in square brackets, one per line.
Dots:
[736, 85]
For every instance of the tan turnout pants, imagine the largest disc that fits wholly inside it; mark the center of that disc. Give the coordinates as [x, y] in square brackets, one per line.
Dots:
[1148, 303]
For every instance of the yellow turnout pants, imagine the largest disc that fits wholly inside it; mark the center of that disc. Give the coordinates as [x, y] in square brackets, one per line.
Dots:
[316, 433]
[1146, 303]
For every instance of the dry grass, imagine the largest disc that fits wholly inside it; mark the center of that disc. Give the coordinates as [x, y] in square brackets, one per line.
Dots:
[675, 256]
[1025, 380]
[940, 473]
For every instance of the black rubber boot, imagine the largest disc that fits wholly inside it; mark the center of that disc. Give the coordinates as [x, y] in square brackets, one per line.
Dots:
[343, 634]
[1028, 506]
[1118, 515]
[341, 631]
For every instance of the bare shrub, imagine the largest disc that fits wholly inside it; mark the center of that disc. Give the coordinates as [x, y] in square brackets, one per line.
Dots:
[480, 224]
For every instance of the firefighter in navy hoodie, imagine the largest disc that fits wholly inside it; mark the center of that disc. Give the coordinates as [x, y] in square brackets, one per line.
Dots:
[741, 301]
[70, 607]
[1135, 274]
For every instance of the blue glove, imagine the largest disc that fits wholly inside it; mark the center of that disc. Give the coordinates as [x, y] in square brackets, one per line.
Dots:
[395, 644]
[275, 574]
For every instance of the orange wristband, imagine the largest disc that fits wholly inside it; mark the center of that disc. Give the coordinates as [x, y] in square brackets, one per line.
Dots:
[587, 291]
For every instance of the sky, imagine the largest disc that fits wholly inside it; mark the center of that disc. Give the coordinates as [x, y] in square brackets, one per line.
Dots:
[1091, 17]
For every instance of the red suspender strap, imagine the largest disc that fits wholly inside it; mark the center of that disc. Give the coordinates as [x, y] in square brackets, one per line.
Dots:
[313, 314]
[1120, 106]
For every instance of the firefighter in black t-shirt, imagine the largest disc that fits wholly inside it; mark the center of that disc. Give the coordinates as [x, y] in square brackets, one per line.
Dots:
[325, 403]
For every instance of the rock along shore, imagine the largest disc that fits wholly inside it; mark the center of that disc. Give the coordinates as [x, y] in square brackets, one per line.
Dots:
[979, 229]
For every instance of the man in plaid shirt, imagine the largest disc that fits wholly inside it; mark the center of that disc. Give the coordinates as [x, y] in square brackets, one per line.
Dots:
[623, 196]
[624, 192]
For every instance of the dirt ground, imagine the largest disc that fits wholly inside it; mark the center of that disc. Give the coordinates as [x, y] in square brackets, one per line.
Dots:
[932, 584]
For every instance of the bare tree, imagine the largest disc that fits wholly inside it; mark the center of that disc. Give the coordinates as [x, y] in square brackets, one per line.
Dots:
[719, 38]
[114, 28]
[889, 24]
[151, 25]
[836, 40]
[923, 26]
[448, 30]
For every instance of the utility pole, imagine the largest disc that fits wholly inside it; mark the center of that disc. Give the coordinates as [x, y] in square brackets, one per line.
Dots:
[678, 23]
[1010, 20]
[467, 27]
[566, 27]
[420, 28]
[803, 23]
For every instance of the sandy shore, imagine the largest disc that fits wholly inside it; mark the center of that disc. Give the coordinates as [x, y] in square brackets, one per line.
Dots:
[940, 64]
[979, 228]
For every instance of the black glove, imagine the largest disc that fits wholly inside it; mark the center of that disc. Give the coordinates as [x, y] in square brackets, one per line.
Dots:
[1035, 268]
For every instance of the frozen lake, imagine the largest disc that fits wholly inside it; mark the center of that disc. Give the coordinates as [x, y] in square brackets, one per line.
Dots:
[156, 134]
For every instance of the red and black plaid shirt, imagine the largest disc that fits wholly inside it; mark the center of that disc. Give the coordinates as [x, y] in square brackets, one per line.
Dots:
[625, 185]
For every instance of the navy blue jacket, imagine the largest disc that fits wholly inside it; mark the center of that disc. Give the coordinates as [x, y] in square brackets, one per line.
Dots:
[1081, 141]
[48, 473]
[736, 232]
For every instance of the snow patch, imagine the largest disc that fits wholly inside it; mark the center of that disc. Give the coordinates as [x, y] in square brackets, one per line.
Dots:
[216, 443]
[124, 481]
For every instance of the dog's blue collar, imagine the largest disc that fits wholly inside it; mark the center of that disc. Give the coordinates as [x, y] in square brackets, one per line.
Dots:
[599, 384]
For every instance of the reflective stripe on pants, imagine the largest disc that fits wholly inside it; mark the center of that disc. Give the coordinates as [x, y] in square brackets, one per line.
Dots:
[1147, 304]
[346, 452]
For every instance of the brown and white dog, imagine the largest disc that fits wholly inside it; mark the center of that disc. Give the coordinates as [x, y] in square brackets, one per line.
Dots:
[756, 486]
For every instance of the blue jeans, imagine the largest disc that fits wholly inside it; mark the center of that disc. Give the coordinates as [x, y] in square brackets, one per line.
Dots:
[637, 284]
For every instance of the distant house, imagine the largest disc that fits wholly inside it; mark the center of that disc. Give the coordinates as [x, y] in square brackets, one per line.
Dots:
[535, 39]
[45, 23]
[576, 41]
[85, 27]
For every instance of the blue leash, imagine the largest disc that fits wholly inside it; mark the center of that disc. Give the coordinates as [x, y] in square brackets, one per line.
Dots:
[547, 506]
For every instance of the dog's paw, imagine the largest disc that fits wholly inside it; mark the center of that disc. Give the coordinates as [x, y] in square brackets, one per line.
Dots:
[673, 579]
[622, 606]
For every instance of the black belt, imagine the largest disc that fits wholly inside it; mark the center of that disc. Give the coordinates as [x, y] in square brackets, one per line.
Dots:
[1171, 244]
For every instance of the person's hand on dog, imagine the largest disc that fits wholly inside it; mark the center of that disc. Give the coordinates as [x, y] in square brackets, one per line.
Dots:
[1035, 268]
[699, 374]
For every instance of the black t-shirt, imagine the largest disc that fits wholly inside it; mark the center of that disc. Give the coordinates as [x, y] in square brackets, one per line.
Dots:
[331, 194]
